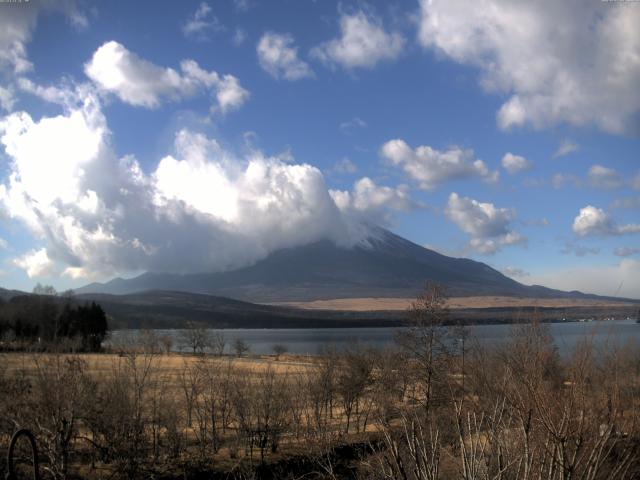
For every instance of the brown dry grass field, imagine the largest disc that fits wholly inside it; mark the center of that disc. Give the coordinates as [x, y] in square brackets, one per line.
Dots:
[373, 304]
[166, 365]
[169, 371]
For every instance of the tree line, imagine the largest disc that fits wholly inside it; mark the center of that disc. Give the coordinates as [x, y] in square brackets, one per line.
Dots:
[46, 320]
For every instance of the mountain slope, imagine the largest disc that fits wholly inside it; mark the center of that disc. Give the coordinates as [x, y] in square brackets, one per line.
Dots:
[386, 265]
[9, 294]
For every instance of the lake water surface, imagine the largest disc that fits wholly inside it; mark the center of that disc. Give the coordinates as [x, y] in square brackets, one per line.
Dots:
[311, 340]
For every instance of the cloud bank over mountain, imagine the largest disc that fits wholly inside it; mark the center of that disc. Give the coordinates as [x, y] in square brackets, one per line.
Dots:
[202, 208]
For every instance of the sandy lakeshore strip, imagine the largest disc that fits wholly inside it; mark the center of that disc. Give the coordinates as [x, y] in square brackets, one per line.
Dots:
[372, 304]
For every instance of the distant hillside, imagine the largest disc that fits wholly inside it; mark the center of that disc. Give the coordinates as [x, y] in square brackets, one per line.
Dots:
[386, 265]
[171, 309]
[9, 294]
[165, 309]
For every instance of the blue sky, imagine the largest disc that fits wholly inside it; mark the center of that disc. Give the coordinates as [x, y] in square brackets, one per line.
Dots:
[199, 136]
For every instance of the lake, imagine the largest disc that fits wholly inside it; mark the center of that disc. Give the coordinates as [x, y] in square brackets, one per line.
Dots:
[311, 340]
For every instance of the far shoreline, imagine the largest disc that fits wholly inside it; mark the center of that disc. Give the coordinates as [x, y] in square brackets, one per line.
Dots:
[390, 326]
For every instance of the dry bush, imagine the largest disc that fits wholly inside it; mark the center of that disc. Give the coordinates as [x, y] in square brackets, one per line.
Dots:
[354, 377]
[60, 393]
[210, 393]
[119, 416]
[261, 411]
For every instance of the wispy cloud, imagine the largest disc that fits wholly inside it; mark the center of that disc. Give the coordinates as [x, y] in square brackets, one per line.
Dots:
[626, 251]
[516, 272]
[565, 148]
[349, 126]
[574, 248]
[345, 166]
[604, 177]
[278, 56]
[202, 23]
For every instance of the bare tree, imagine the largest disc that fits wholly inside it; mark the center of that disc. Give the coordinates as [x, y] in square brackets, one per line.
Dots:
[60, 390]
[354, 376]
[118, 416]
[218, 342]
[426, 338]
[149, 341]
[195, 337]
[40, 289]
[279, 350]
[212, 403]
[189, 380]
[167, 343]
[392, 379]
[240, 347]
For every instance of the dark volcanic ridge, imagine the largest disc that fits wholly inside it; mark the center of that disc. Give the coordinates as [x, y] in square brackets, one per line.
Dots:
[386, 265]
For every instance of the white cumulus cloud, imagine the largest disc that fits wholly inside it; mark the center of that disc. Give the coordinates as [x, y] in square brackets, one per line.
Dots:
[515, 163]
[488, 226]
[431, 167]
[371, 202]
[595, 221]
[363, 43]
[17, 23]
[36, 263]
[278, 56]
[138, 82]
[571, 61]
